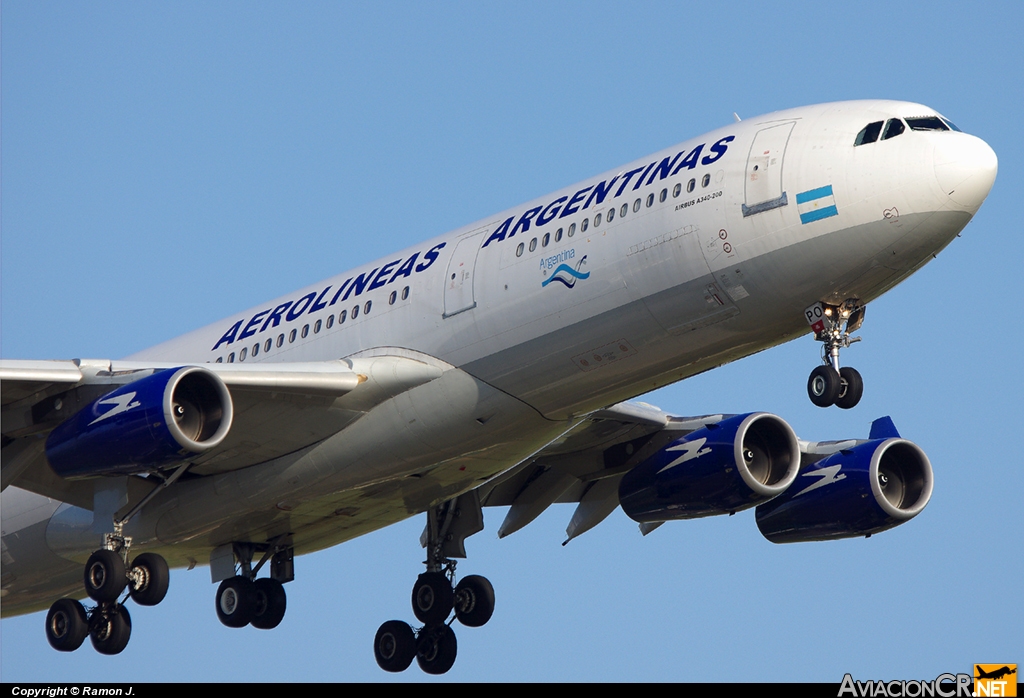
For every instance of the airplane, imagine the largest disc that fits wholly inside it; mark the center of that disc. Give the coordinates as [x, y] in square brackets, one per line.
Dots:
[494, 366]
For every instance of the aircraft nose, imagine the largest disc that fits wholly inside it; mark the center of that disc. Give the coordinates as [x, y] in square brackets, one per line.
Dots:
[965, 167]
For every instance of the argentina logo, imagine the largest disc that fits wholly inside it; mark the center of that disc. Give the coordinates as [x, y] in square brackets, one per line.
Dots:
[567, 275]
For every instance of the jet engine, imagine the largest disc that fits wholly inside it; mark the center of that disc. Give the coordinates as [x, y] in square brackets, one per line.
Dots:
[156, 421]
[718, 469]
[868, 488]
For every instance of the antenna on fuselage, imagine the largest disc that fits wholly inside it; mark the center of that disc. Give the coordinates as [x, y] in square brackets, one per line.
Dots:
[737, 117]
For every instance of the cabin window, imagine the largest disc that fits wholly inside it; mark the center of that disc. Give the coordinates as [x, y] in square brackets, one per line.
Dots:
[893, 128]
[220, 360]
[584, 224]
[572, 230]
[241, 354]
[676, 189]
[545, 240]
[291, 336]
[316, 327]
[558, 235]
[355, 312]
[366, 307]
[255, 348]
[868, 134]
[533, 244]
[330, 321]
[231, 358]
[636, 205]
[342, 316]
[305, 331]
[280, 340]
[691, 185]
[519, 250]
[405, 293]
[706, 180]
[663, 195]
[393, 297]
[597, 220]
[268, 344]
[650, 200]
[611, 214]
[926, 123]
[623, 209]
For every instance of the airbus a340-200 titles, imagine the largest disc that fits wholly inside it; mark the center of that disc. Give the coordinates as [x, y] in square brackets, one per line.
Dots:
[489, 367]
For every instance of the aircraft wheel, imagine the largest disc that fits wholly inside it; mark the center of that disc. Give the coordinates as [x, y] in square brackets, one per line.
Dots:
[111, 630]
[271, 602]
[851, 388]
[395, 646]
[66, 625]
[105, 577]
[432, 598]
[437, 649]
[149, 579]
[823, 386]
[236, 601]
[474, 601]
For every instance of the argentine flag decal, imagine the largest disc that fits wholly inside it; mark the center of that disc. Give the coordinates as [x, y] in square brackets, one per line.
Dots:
[816, 204]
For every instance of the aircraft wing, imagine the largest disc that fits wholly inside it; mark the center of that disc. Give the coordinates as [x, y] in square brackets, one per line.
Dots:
[585, 465]
[278, 408]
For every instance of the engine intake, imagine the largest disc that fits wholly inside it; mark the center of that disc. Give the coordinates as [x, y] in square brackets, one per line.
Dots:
[863, 490]
[719, 469]
[155, 421]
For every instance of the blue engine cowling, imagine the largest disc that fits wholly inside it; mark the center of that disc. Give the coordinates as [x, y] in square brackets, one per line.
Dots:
[865, 489]
[166, 417]
[719, 469]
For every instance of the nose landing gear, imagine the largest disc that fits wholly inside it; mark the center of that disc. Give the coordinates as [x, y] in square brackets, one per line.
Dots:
[830, 384]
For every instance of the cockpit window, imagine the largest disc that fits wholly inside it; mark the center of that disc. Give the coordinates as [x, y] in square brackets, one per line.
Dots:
[952, 125]
[893, 128]
[869, 134]
[927, 123]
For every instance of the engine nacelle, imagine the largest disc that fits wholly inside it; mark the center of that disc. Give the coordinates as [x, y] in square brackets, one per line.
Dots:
[856, 492]
[166, 417]
[719, 469]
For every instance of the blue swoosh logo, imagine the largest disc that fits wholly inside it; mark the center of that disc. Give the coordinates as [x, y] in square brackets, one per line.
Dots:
[575, 275]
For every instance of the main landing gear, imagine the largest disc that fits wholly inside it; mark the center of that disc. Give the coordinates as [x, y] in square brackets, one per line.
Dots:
[242, 599]
[107, 575]
[829, 384]
[436, 595]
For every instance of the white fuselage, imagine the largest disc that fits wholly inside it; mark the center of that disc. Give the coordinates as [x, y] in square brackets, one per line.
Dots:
[681, 261]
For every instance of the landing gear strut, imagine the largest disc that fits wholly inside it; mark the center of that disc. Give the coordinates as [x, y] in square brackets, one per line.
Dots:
[829, 384]
[242, 599]
[435, 595]
[106, 576]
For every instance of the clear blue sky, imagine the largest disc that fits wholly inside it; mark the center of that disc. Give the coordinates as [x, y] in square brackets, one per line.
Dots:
[167, 164]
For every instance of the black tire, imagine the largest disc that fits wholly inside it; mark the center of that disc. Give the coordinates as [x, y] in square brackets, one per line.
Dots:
[67, 626]
[271, 602]
[153, 579]
[111, 629]
[432, 598]
[235, 601]
[437, 649]
[474, 601]
[105, 577]
[851, 388]
[394, 647]
[823, 386]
